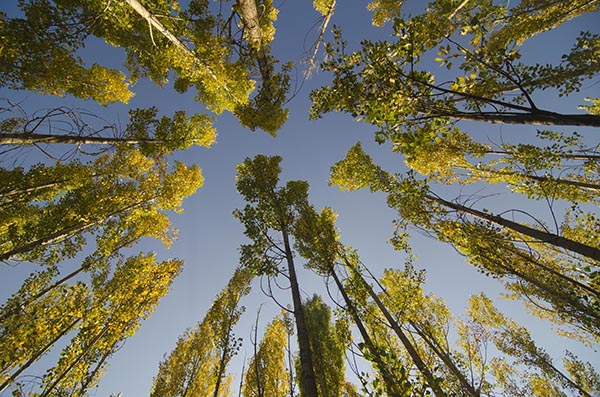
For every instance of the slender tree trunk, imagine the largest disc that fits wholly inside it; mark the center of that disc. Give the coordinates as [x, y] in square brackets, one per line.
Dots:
[259, 390]
[33, 138]
[222, 361]
[12, 192]
[546, 237]
[290, 361]
[568, 381]
[42, 293]
[582, 156]
[153, 21]
[570, 300]
[412, 352]
[391, 384]
[556, 273]
[542, 179]
[533, 117]
[307, 374]
[90, 377]
[37, 355]
[311, 61]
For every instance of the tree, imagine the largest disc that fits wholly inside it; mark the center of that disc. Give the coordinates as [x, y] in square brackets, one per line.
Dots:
[39, 54]
[105, 313]
[268, 221]
[516, 341]
[197, 365]
[191, 42]
[562, 168]
[327, 346]
[503, 248]
[128, 188]
[383, 84]
[317, 241]
[267, 374]
[154, 136]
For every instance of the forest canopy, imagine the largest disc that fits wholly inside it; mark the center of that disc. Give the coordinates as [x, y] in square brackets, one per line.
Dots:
[419, 215]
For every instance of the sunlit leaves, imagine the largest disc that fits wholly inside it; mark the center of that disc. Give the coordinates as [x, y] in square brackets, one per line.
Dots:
[267, 374]
[197, 365]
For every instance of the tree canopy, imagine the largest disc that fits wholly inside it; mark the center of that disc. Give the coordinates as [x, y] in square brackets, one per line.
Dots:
[475, 233]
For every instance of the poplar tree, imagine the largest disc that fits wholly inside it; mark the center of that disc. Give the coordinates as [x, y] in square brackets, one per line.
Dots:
[267, 374]
[102, 314]
[500, 247]
[127, 187]
[198, 363]
[154, 136]
[268, 220]
[385, 85]
[158, 37]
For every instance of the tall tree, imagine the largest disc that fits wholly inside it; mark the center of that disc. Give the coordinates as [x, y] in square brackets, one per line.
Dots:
[515, 340]
[267, 374]
[268, 221]
[158, 37]
[562, 167]
[500, 246]
[197, 365]
[105, 313]
[384, 84]
[154, 136]
[127, 186]
[327, 346]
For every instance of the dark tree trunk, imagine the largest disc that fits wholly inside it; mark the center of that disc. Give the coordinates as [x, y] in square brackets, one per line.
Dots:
[307, 374]
[546, 237]
[533, 118]
[391, 384]
[412, 352]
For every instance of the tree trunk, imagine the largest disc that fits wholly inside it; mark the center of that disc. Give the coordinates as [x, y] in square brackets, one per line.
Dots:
[542, 179]
[222, 361]
[546, 237]
[391, 385]
[33, 138]
[307, 374]
[152, 20]
[412, 352]
[534, 118]
[49, 389]
[581, 156]
[571, 300]
[447, 360]
[90, 377]
[249, 15]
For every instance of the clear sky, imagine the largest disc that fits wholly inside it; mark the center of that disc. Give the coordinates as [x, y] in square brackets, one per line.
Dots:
[209, 237]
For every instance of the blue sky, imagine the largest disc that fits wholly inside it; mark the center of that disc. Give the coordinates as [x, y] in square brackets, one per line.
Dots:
[209, 237]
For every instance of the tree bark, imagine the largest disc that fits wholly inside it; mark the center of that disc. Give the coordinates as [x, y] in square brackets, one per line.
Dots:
[49, 389]
[307, 374]
[447, 360]
[533, 118]
[153, 21]
[249, 15]
[34, 138]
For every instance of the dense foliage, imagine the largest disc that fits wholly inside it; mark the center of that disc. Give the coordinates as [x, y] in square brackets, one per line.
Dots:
[78, 193]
